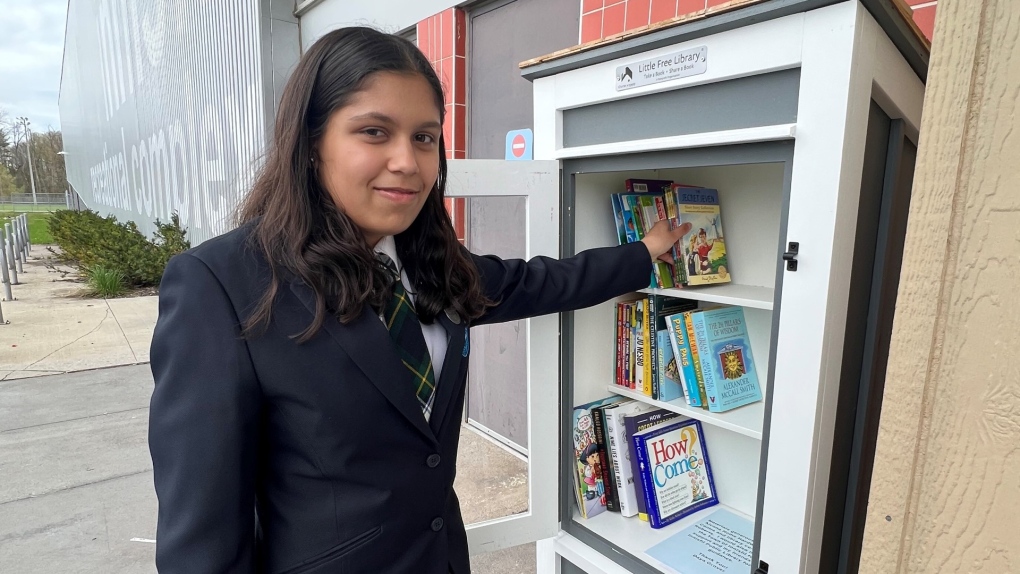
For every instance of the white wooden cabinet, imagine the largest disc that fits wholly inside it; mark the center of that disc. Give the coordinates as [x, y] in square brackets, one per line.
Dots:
[778, 123]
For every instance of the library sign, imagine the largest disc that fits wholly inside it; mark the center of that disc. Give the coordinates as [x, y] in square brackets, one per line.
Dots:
[668, 67]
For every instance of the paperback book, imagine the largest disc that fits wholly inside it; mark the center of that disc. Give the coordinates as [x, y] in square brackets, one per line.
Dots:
[674, 470]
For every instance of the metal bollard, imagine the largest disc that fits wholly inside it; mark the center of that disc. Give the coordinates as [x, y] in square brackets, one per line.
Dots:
[5, 277]
[10, 254]
[19, 255]
[23, 238]
[28, 240]
[27, 236]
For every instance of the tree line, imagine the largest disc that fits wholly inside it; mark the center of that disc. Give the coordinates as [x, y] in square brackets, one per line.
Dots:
[47, 165]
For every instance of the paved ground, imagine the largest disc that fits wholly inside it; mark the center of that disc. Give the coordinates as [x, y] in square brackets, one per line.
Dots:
[75, 475]
[53, 329]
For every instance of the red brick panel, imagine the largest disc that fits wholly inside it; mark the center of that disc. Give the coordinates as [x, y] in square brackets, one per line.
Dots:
[603, 18]
[638, 13]
[442, 39]
[924, 17]
[613, 18]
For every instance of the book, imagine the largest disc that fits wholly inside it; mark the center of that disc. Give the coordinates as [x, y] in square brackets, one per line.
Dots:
[675, 471]
[640, 318]
[699, 379]
[621, 228]
[636, 185]
[727, 364]
[721, 542]
[670, 382]
[677, 331]
[620, 453]
[704, 247]
[589, 486]
[660, 307]
[631, 425]
[637, 213]
[598, 421]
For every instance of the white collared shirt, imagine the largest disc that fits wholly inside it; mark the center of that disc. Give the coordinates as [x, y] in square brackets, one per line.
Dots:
[435, 334]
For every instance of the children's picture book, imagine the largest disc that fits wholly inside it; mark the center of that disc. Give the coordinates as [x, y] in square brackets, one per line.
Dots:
[676, 330]
[719, 543]
[675, 471]
[727, 364]
[704, 247]
[589, 486]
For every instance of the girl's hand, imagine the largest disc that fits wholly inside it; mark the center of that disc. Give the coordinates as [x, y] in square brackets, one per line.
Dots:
[660, 238]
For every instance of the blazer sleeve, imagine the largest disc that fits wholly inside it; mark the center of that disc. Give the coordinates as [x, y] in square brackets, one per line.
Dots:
[202, 426]
[543, 285]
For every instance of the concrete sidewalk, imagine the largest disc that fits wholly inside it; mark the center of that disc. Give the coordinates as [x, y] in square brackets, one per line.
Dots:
[77, 477]
[54, 330]
[76, 491]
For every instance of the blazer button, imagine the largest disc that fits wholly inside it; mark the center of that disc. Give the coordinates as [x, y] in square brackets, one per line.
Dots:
[433, 460]
[437, 525]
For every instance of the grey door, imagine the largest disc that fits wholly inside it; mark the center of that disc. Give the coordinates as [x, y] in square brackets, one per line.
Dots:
[501, 35]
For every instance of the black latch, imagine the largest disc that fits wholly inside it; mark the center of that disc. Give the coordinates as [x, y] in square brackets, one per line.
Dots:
[763, 566]
[791, 256]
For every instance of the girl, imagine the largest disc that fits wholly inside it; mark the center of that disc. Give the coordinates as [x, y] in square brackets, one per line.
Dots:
[310, 365]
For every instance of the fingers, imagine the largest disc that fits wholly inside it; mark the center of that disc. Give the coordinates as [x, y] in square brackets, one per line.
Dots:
[684, 229]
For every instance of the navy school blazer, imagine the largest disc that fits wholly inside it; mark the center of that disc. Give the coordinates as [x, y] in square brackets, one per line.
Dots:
[275, 457]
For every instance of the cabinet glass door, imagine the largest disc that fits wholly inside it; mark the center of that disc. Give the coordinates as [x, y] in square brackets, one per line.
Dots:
[507, 463]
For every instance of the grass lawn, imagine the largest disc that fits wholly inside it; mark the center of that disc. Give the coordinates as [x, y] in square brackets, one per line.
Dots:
[38, 226]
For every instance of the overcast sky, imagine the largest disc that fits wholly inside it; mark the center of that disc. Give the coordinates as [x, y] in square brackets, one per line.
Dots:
[31, 50]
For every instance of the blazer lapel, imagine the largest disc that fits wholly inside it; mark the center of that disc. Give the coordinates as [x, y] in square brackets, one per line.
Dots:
[368, 344]
[456, 354]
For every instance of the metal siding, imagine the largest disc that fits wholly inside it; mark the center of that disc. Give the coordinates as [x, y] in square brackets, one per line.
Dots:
[161, 109]
[501, 100]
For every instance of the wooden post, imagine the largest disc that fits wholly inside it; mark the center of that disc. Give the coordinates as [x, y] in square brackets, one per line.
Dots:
[945, 493]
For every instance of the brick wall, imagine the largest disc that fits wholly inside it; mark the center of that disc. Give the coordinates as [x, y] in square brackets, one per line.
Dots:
[603, 18]
[443, 41]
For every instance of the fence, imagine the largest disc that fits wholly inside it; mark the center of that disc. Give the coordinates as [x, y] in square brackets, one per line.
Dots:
[22, 202]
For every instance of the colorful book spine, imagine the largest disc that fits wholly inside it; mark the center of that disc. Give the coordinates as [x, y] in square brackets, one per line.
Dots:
[646, 342]
[671, 386]
[653, 344]
[682, 354]
[621, 228]
[598, 422]
[696, 358]
[639, 345]
[705, 360]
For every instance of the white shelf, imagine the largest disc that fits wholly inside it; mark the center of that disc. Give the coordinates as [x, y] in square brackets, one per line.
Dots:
[726, 294]
[635, 536]
[746, 420]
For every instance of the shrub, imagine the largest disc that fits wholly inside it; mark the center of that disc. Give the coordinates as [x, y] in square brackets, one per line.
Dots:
[89, 241]
[105, 283]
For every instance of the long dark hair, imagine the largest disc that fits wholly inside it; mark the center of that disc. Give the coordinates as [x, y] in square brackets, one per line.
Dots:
[303, 233]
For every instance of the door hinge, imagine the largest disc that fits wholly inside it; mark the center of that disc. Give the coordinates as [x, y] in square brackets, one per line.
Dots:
[791, 256]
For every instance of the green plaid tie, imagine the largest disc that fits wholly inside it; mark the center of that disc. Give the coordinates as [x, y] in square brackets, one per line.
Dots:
[405, 330]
